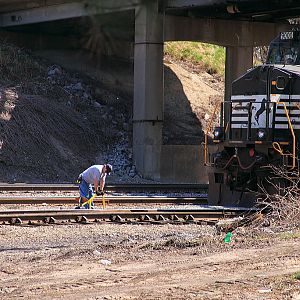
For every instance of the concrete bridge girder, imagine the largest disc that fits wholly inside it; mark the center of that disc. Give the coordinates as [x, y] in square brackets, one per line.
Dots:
[148, 90]
[214, 31]
[225, 33]
[238, 61]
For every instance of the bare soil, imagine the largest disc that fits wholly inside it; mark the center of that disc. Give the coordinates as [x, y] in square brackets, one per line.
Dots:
[190, 98]
[109, 261]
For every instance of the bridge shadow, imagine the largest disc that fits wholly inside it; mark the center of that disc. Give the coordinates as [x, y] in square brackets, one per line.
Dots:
[181, 124]
[41, 139]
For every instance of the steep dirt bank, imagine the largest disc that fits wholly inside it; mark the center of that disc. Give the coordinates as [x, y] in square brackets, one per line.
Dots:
[190, 98]
[57, 121]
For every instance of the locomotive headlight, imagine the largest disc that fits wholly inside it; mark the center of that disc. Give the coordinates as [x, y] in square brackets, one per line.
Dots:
[261, 134]
[218, 133]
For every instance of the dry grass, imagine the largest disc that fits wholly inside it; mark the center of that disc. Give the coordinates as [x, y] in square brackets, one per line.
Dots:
[283, 204]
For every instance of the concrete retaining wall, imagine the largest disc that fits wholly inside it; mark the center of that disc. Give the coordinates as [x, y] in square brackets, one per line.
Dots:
[183, 164]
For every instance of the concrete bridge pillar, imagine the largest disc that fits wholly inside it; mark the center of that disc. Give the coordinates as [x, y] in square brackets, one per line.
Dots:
[238, 61]
[148, 89]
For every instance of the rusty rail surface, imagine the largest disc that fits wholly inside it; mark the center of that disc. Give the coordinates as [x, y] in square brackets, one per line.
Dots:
[109, 199]
[109, 187]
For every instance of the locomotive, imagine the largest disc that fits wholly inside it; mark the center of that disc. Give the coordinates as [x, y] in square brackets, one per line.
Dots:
[259, 128]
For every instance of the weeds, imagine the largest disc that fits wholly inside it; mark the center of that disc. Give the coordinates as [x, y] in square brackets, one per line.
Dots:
[211, 57]
[291, 235]
[280, 197]
[297, 275]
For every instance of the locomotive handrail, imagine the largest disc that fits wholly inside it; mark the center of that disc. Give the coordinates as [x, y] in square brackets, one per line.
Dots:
[292, 132]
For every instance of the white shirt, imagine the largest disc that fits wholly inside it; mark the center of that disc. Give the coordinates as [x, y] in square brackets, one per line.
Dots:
[93, 173]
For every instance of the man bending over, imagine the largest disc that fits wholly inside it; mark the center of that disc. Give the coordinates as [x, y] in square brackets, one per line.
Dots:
[94, 175]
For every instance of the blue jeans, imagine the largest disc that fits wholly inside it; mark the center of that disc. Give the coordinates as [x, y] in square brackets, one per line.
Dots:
[86, 191]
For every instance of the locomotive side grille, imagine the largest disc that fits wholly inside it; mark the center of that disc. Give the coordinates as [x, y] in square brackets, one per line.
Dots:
[288, 106]
[237, 98]
[294, 122]
[286, 126]
[291, 115]
[292, 105]
[239, 116]
[240, 111]
[238, 122]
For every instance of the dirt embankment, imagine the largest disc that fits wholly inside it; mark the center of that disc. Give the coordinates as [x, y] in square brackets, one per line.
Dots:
[190, 99]
[55, 123]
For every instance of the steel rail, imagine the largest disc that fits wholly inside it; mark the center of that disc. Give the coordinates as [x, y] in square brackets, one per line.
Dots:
[109, 199]
[109, 187]
[119, 215]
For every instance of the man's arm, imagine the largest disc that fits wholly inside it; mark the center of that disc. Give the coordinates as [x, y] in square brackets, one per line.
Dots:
[96, 185]
[102, 182]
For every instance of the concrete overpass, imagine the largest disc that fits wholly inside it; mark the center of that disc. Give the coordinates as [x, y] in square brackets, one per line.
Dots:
[237, 25]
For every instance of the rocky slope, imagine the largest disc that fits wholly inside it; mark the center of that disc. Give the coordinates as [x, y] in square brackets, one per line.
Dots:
[55, 123]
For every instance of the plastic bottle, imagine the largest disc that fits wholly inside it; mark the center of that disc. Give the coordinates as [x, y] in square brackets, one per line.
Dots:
[227, 238]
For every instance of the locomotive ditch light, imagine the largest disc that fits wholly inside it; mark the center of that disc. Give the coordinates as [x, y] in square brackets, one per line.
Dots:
[261, 134]
[218, 133]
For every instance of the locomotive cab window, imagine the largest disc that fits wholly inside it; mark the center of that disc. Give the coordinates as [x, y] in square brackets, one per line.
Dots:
[280, 83]
[281, 54]
[285, 49]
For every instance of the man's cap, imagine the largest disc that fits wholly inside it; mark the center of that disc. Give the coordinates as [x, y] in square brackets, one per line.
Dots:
[109, 168]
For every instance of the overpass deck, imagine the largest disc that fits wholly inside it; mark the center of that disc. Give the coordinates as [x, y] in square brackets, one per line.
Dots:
[254, 10]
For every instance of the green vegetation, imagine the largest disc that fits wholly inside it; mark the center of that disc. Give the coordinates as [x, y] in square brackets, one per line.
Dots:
[297, 275]
[210, 57]
[291, 235]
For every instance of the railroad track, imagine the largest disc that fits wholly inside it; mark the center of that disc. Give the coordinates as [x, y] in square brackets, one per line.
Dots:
[198, 216]
[109, 187]
[98, 200]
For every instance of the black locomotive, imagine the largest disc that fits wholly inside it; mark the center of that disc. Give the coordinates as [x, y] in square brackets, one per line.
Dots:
[259, 127]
